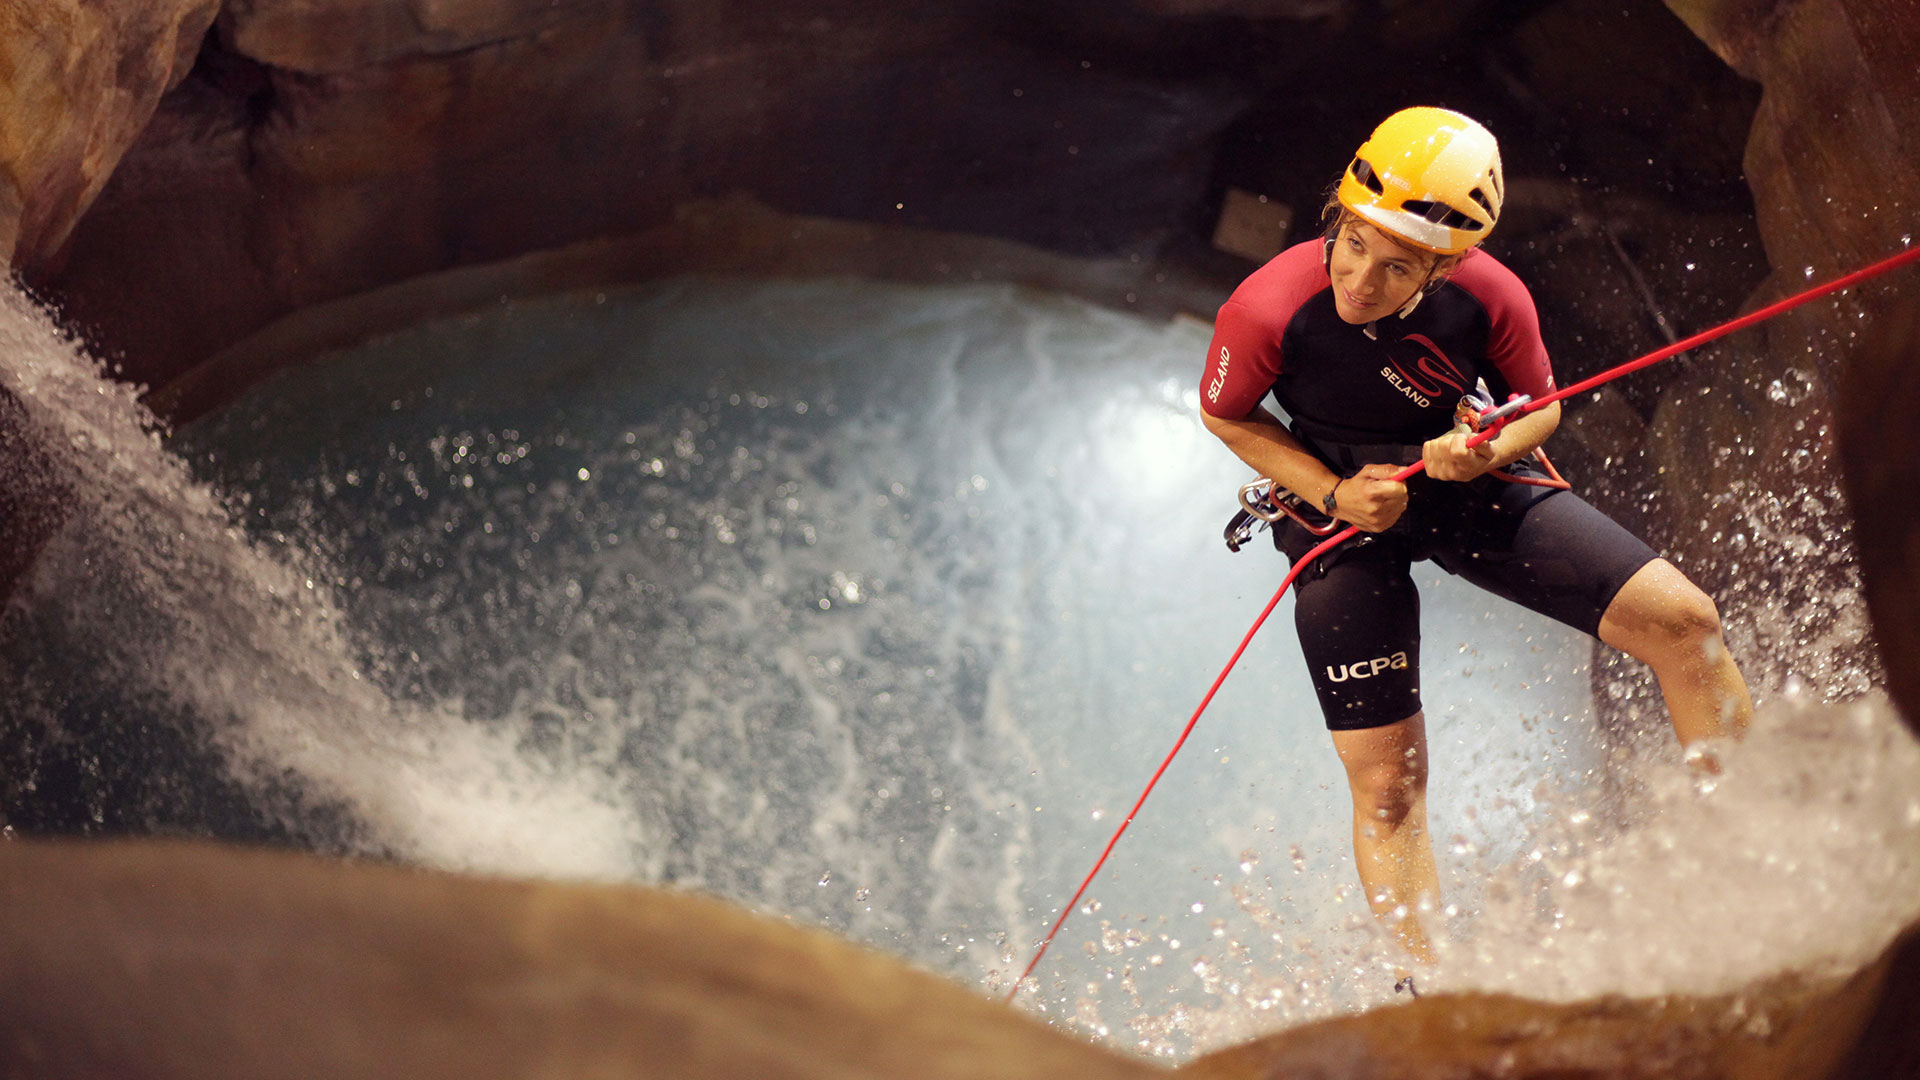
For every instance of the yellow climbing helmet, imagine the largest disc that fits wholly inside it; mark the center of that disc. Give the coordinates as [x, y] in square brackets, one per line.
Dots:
[1430, 177]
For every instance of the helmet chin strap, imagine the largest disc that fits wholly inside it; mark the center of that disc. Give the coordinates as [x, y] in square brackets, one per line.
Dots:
[1427, 285]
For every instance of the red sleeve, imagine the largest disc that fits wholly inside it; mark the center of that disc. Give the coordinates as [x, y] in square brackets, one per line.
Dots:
[1242, 363]
[1513, 343]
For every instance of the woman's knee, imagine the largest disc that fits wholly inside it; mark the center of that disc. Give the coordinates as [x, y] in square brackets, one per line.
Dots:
[1386, 792]
[1689, 619]
[1669, 617]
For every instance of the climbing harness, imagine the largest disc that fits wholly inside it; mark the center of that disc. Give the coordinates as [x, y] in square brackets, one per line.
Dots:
[1493, 421]
[1264, 503]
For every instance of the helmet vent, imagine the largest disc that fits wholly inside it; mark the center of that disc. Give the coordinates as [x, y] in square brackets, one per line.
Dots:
[1441, 214]
[1479, 195]
[1362, 171]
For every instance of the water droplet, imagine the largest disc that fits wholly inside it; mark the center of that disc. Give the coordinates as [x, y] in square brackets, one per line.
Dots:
[1791, 388]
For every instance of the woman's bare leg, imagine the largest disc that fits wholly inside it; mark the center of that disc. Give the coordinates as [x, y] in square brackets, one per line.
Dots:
[1665, 621]
[1387, 774]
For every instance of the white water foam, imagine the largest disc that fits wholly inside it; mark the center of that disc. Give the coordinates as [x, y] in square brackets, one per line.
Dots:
[1801, 857]
[152, 588]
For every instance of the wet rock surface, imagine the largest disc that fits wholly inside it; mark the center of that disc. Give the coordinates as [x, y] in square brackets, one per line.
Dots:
[195, 961]
[180, 960]
[1753, 422]
[1780, 1030]
[1880, 396]
[82, 80]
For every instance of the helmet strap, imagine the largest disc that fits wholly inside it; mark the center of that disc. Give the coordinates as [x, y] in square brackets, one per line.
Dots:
[1427, 285]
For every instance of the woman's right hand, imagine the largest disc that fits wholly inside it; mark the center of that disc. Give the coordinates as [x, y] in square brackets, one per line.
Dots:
[1371, 498]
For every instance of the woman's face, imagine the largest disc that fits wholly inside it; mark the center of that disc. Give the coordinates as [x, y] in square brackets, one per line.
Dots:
[1373, 274]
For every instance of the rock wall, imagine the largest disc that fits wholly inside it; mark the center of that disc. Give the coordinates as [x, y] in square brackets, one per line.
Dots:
[323, 148]
[1747, 434]
[81, 81]
[320, 150]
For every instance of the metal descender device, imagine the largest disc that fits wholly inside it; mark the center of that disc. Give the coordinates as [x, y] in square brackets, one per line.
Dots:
[1264, 503]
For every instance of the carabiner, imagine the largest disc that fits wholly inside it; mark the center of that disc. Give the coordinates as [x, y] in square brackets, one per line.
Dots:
[1269, 501]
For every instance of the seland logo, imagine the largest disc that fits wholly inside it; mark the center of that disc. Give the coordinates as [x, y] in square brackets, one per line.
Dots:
[1219, 377]
[1426, 375]
[1366, 669]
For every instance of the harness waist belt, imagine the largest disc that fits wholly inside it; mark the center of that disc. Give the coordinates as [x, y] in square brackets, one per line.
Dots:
[1347, 458]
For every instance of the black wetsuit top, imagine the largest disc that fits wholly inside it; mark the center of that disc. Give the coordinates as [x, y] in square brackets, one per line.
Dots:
[1355, 398]
[1279, 333]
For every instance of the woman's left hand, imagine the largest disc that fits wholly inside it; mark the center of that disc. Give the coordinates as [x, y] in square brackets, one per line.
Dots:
[1450, 458]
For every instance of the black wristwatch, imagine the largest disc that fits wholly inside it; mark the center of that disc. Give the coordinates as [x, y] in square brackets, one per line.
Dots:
[1330, 504]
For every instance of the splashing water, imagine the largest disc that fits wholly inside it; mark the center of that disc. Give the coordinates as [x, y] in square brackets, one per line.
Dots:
[1802, 856]
[151, 610]
[869, 605]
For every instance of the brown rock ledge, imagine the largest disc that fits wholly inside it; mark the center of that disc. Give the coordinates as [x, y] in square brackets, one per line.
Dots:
[169, 959]
[164, 959]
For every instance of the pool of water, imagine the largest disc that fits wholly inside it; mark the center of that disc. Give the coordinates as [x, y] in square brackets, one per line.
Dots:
[870, 604]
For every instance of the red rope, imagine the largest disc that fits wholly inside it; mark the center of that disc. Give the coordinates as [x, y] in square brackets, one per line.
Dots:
[1331, 541]
[1732, 325]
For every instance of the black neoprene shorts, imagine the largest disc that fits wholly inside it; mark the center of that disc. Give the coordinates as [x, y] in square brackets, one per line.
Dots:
[1358, 612]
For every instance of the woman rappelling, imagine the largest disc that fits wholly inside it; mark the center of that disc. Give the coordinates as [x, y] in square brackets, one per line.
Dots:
[1369, 338]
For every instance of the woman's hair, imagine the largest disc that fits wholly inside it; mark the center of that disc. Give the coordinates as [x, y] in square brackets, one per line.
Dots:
[1334, 216]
